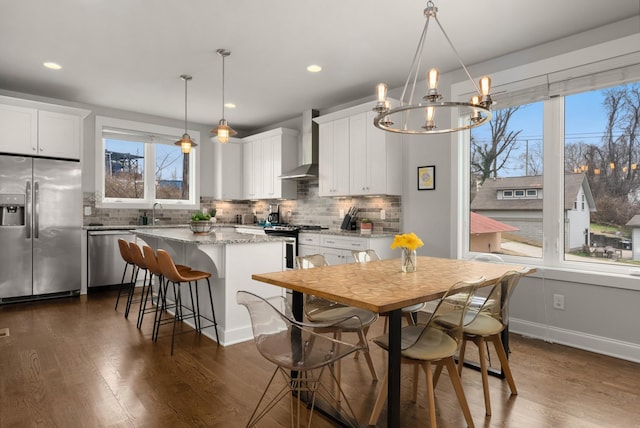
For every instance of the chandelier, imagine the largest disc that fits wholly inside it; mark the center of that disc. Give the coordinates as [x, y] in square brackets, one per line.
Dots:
[397, 119]
[185, 142]
[223, 130]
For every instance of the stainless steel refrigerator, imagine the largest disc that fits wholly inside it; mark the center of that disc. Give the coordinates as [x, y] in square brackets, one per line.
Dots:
[40, 227]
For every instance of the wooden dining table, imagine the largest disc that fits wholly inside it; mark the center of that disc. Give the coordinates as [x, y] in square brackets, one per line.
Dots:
[381, 286]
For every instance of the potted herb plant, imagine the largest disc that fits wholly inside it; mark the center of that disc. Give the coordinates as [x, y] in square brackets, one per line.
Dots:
[201, 222]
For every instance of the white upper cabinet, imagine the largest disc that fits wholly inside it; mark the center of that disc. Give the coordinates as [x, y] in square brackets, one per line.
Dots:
[333, 158]
[38, 129]
[58, 135]
[228, 162]
[356, 158]
[265, 157]
[19, 127]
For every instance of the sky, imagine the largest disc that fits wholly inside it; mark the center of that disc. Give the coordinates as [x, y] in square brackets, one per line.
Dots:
[172, 172]
[585, 120]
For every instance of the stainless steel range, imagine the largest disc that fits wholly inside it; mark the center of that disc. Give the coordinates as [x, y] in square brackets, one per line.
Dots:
[290, 233]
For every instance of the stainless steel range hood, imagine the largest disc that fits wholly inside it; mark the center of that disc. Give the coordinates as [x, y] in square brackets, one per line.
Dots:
[309, 167]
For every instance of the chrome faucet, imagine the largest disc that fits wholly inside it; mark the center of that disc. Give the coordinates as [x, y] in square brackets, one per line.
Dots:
[153, 213]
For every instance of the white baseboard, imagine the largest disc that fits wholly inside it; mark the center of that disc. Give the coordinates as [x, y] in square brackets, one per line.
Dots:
[575, 339]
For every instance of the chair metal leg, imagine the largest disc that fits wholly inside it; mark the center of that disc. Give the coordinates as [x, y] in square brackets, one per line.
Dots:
[175, 318]
[122, 283]
[213, 311]
[144, 299]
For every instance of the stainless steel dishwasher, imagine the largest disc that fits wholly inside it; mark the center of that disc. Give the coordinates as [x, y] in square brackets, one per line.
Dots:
[105, 265]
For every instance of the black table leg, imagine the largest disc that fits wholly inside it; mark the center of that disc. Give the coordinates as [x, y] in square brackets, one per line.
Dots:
[393, 400]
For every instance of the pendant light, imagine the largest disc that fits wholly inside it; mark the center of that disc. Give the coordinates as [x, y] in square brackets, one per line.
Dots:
[223, 131]
[185, 142]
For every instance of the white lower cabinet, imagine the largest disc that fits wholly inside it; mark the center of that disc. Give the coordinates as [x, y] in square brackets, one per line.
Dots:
[308, 244]
[337, 249]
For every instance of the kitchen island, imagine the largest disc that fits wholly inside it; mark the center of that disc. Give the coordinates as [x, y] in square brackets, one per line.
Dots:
[231, 258]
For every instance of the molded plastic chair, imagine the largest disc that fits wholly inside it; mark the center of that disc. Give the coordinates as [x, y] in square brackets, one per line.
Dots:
[487, 325]
[177, 277]
[125, 253]
[298, 352]
[436, 344]
[319, 310]
[363, 256]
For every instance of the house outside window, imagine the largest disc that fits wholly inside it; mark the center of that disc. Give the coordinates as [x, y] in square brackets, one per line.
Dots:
[596, 168]
[138, 164]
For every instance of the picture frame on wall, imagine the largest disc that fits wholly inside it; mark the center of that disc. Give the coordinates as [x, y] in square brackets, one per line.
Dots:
[427, 177]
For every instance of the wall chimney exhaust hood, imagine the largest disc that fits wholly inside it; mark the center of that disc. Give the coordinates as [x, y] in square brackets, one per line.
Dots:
[309, 167]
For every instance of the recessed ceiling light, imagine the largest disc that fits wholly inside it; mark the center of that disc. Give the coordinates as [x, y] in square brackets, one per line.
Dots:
[313, 68]
[52, 65]
[230, 105]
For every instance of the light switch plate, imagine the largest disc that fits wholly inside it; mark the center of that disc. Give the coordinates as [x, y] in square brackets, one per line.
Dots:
[87, 210]
[383, 215]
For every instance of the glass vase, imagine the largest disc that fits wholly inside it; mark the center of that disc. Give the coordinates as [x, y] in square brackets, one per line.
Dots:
[408, 260]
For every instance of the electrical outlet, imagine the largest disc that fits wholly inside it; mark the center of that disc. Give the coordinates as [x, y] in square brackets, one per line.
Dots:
[87, 210]
[558, 301]
[219, 211]
[383, 215]
[341, 213]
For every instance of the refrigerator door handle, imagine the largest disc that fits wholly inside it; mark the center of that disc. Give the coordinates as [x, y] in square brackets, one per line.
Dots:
[36, 214]
[28, 213]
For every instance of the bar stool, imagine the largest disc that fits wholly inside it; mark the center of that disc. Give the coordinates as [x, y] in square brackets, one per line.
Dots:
[125, 253]
[141, 264]
[177, 277]
[151, 261]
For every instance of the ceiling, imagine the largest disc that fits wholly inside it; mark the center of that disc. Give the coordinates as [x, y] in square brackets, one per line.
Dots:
[129, 54]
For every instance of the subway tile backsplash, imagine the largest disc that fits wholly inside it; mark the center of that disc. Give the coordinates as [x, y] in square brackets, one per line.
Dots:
[309, 208]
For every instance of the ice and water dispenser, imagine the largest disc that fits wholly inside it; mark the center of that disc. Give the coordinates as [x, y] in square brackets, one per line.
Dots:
[12, 210]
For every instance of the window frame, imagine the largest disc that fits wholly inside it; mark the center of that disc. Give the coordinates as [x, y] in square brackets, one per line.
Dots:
[145, 131]
[605, 62]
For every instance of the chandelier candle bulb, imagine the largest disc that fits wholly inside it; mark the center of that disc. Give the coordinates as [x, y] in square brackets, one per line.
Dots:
[432, 86]
[381, 94]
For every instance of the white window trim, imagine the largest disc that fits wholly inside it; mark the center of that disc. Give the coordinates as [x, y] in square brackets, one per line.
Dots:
[552, 263]
[152, 129]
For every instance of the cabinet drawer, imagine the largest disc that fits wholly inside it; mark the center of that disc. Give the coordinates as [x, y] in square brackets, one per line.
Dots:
[309, 239]
[344, 243]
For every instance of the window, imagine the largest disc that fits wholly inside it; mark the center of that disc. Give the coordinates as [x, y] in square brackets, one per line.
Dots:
[584, 123]
[603, 149]
[139, 164]
[507, 153]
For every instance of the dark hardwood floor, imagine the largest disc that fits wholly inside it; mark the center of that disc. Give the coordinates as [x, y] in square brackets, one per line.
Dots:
[75, 362]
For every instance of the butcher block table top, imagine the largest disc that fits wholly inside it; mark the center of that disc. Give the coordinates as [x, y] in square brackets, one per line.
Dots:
[381, 286]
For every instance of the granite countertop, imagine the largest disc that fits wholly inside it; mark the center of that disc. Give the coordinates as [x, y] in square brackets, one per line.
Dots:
[142, 227]
[338, 232]
[218, 235]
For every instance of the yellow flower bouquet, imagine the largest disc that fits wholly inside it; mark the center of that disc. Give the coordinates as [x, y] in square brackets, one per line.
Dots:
[409, 243]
